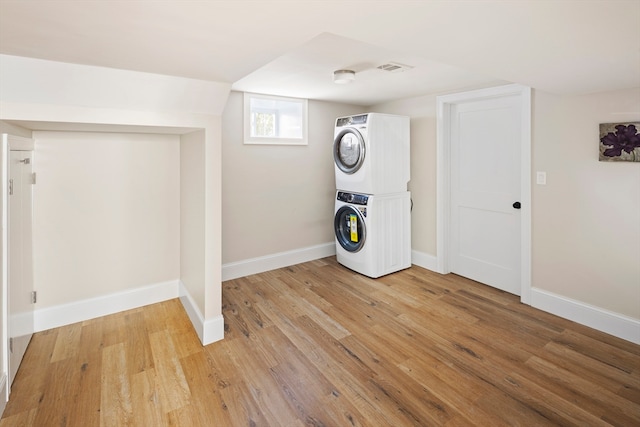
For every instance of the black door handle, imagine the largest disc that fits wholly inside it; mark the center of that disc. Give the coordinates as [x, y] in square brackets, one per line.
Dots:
[517, 205]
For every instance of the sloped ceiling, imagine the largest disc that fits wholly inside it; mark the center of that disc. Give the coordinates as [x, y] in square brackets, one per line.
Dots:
[292, 47]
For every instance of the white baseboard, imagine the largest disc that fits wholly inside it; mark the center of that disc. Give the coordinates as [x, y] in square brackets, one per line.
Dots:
[213, 330]
[250, 266]
[208, 331]
[424, 260]
[284, 259]
[609, 322]
[79, 311]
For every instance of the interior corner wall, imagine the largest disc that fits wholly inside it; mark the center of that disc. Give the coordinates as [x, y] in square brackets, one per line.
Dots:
[586, 219]
[192, 216]
[278, 198]
[422, 112]
[106, 214]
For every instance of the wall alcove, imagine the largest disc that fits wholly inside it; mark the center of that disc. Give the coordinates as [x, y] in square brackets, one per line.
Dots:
[120, 132]
[109, 211]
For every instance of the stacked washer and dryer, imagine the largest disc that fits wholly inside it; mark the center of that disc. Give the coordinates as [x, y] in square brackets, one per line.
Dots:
[372, 220]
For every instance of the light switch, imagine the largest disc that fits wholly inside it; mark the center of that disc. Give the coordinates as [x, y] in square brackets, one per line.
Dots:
[541, 178]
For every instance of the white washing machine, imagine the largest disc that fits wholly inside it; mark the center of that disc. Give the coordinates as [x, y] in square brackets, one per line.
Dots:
[373, 232]
[371, 153]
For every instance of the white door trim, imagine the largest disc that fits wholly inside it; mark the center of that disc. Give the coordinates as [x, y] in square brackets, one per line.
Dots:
[443, 190]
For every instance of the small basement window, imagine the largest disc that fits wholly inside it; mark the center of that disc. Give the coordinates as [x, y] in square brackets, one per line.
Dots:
[274, 120]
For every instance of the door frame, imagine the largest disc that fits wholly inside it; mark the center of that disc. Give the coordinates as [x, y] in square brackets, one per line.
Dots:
[443, 188]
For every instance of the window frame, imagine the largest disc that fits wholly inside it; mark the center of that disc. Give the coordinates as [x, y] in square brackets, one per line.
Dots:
[250, 140]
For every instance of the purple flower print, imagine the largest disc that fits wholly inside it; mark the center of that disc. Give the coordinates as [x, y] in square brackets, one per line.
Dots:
[626, 138]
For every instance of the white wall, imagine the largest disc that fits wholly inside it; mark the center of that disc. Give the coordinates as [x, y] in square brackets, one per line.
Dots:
[192, 256]
[586, 220]
[214, 322]
[106, 213]
[277, 198]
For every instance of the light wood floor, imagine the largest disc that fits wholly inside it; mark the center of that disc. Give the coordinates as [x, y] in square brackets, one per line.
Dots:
[316, 345]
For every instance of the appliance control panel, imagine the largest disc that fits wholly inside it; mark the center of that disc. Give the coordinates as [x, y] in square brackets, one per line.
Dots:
[353, 198]
[352, 120]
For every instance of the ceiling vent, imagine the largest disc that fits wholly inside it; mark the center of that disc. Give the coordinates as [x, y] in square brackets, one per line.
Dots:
[393, 67]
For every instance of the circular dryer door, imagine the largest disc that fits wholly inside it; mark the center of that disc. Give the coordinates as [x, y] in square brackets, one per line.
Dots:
[350, 228]
[349, 150]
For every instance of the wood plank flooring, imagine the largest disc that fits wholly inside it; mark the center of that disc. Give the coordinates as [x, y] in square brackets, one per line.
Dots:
[317, 345]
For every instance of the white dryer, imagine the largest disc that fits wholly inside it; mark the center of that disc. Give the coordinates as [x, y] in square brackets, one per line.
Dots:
[371, 153]
[373, 232]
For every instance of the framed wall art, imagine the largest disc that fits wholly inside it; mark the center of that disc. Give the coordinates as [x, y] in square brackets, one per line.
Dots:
[620, 142]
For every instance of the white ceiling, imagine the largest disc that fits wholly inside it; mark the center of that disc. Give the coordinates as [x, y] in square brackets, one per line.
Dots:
[307, 71]
[292, 47]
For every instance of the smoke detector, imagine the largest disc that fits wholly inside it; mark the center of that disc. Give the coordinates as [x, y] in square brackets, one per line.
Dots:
[344, 76]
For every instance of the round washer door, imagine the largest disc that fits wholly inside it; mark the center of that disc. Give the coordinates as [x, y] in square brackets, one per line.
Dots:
[349, 150]
[350, 228]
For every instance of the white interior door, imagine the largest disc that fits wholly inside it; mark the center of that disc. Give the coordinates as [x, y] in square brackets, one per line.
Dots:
[4, 331]
[20, 283]
[485, 197]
